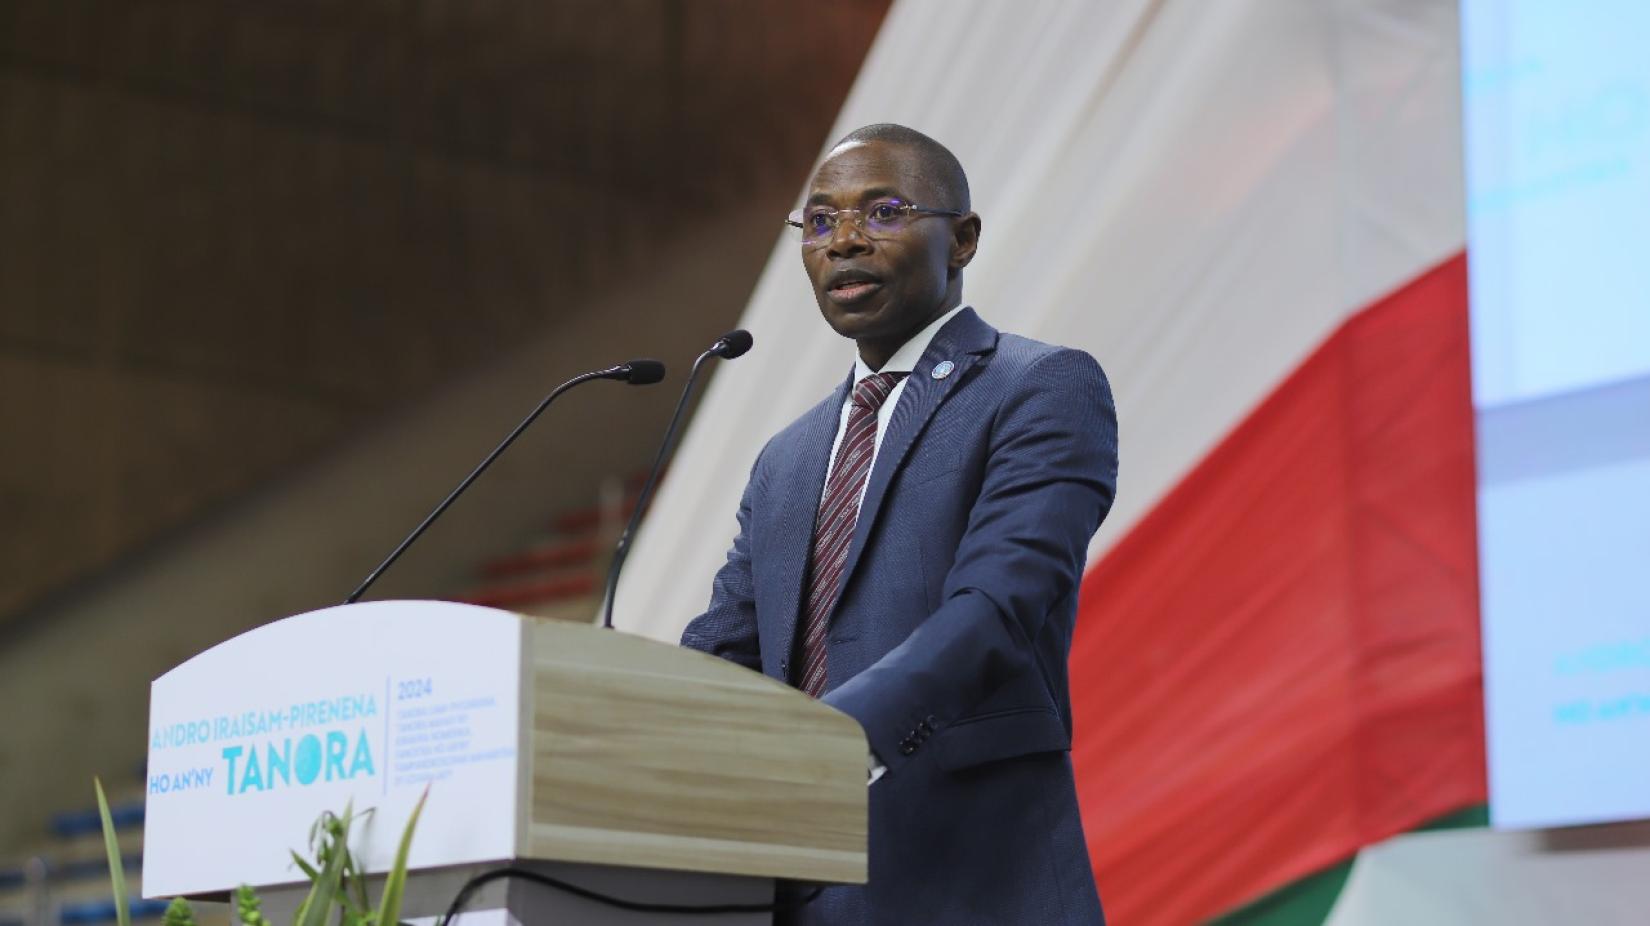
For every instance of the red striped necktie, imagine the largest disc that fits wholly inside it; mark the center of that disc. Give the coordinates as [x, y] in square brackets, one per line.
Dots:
[834, 526]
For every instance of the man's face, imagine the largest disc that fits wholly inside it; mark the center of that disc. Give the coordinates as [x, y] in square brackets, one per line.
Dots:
[881, 289]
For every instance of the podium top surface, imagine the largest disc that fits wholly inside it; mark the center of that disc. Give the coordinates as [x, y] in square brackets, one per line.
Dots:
[535, 738]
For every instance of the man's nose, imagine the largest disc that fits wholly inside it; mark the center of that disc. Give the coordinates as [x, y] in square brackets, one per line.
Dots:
[847, 239]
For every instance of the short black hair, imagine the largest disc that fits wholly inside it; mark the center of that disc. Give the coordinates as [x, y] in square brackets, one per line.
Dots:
[939, 166]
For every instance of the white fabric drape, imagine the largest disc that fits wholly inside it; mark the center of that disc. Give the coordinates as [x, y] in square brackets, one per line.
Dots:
[1196, 193]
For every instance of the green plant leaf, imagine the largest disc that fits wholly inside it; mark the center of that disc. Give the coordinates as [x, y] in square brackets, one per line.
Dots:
[248, 908]
[354, 893]
[178, 913]
[308, 869]
[117, 869]
[355, 881]
[395, 886]
[324, 890]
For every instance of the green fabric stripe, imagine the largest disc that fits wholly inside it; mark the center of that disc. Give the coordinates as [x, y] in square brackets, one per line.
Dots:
[1307, 901]
[1474, 817]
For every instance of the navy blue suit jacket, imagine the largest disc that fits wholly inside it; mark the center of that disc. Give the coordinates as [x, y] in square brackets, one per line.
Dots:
[949, 639]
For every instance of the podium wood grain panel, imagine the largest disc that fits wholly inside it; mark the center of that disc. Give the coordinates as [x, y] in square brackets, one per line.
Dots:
[647, 755]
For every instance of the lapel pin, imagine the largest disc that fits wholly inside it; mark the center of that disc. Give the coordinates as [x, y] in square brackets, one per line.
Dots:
[942, 369]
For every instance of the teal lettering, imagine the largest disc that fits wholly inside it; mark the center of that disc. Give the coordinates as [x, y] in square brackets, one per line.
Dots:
[363, 756]
[231, 753]
[337, 745]
[306, 761]
[279, 763]
[1573, 712]
[252, 777]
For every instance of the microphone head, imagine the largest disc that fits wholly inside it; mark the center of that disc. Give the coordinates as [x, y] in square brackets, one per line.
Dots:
[733, 344]
[642, 372]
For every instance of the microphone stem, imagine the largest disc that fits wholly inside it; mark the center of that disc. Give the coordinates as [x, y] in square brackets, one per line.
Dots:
[455, 493]
[622, 549]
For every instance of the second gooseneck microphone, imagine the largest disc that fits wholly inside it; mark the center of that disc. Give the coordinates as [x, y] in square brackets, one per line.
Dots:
[636, 373]
[733, 344]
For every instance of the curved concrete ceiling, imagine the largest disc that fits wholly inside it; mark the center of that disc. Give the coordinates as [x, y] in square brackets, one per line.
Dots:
[233, 233]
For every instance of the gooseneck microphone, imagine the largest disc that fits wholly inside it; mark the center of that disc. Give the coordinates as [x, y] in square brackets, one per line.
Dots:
[733, 344]
[636, 373]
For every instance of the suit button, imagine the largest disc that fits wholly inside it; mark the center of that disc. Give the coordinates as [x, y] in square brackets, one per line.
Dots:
[907, 748]
[784, 665]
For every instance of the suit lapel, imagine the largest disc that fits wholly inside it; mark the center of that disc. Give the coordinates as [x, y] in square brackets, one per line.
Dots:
[963, 341]
[794, 528]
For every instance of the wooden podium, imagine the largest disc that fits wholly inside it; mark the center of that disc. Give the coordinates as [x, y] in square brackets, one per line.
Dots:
[620, 764]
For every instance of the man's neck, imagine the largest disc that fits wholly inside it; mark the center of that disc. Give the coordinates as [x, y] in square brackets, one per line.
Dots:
[904, 356]
[876, 353]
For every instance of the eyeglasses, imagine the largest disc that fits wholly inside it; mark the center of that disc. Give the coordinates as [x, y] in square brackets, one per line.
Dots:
[881, 219]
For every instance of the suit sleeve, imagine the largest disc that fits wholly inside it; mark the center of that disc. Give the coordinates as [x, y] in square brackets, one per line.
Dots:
[1050, 477]
[728, 626]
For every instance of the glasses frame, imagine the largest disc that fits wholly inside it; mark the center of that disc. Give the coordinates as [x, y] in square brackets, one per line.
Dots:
[912, 212]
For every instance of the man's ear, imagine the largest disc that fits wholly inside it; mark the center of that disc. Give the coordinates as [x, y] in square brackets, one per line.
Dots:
[965, 240]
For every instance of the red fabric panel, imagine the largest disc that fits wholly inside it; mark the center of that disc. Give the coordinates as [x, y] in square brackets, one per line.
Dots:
[1280, 663]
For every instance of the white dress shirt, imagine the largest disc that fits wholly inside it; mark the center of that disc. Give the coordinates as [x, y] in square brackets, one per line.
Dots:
[904, 360]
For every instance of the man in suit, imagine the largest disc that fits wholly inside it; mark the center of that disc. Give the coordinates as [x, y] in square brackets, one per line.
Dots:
[909, 551]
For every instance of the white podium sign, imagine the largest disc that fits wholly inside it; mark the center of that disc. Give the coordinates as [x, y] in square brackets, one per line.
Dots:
[366, 704]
